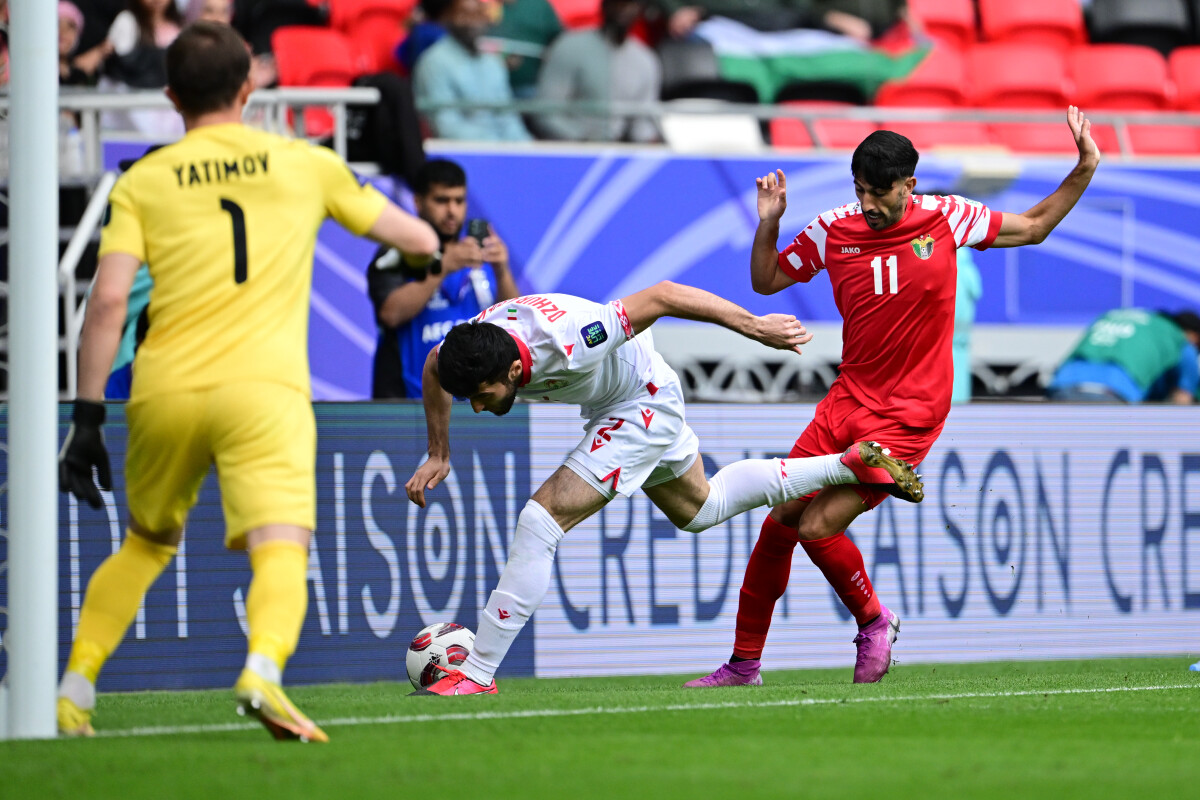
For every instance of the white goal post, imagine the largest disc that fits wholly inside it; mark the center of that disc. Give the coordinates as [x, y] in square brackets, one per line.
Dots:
[31, 641]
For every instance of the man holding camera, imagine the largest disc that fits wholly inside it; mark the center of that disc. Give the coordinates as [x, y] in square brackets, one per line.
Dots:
[416, 307]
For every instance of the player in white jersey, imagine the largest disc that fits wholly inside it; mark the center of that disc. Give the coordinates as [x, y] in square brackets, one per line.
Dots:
[565, 349]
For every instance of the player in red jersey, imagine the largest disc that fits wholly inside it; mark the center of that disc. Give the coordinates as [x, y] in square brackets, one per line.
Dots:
[891, 260]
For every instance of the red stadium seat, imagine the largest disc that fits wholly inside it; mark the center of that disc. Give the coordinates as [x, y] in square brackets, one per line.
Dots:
[1185, 69]
[934, 135]
[951, 22]
[842, 134]
[1051, 23]
[1164, 140]
[578, 13]
[794, 132]
[1120, 76]
[1049, 138]
[1017, 76]
[938, 81]
[374, 47]
[312, 57]
[791, 133]
[373, 28]
[350, 15]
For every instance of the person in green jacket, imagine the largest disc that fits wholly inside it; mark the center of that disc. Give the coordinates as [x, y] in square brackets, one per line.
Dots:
[1133, 355]
[525, 29]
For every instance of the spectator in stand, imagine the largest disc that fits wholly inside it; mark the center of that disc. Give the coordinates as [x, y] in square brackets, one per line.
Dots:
[602, 65]
[1132, 355]
[3, 42]
[424, 31]
[455, 70]
[262, 67]
[134, 58]
[70, 25]
[682, 16]
[139, 37]
[415, 308]
[864, 20]
[526, 28]
[98, 16]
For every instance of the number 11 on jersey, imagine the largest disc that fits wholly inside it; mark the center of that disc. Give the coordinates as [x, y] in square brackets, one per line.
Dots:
[893, 280]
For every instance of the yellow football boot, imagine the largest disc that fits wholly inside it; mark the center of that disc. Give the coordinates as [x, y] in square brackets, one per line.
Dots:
[73, 720]
[266, 702]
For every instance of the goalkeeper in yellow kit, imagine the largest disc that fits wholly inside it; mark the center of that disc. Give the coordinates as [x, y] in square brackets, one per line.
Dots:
[226, 219]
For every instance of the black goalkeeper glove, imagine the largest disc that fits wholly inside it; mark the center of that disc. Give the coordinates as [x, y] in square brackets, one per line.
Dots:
[84, 449]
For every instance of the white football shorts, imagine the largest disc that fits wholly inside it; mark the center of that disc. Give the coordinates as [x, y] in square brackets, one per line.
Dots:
[641, 442]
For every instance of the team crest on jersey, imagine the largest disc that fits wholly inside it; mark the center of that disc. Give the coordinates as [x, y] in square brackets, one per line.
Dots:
[923, 246]
[593, 333]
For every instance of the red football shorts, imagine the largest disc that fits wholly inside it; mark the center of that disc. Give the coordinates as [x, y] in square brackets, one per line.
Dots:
[841, 420]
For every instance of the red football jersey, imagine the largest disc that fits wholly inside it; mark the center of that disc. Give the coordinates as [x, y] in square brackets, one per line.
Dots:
[895, 291]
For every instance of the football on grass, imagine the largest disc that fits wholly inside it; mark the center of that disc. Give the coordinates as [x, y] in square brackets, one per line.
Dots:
[444, 645]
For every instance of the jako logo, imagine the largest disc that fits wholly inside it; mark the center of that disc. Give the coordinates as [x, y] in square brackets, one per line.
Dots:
[850, 250]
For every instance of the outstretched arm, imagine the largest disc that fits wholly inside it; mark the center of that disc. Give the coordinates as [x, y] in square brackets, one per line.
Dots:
[765, 275]
[1035, 225]
[104, 322]
[667, 299]
[437, 423]
[410, 235]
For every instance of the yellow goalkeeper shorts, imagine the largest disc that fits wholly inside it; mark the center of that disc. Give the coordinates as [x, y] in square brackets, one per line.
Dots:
[261, 436]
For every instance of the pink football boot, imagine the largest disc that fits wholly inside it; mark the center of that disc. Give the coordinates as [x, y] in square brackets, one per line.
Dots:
[874, 644]
[872, 465]
[456, 682]
[743, 673]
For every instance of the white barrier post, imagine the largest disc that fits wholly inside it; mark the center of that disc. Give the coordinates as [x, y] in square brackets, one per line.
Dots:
[32, 636]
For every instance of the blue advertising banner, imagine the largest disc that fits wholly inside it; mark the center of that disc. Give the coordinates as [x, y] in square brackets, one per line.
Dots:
[380, 568]
[1047, 532]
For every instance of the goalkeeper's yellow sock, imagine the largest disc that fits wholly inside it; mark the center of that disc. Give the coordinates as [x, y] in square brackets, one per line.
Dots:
[276, 605]
[113, 596]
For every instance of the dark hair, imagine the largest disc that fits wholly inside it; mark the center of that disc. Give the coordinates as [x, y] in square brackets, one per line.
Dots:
[440, 171]
[145, 24]
[475, 353]
[883, 158]
[434, 9]
[1189, 321]
[207, 66]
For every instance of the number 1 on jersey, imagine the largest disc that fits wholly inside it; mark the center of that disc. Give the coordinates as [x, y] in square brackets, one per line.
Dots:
[239, 239]
[893, 280]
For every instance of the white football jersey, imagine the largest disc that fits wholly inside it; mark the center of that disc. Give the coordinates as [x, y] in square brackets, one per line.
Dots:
[577, 351]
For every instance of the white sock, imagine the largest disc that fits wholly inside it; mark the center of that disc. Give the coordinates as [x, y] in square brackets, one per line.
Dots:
[265, 667]
[519, 592]
[754, 483]
[78, 689]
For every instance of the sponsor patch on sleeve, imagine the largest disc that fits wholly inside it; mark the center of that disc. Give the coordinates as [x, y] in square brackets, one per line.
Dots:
[593, 333]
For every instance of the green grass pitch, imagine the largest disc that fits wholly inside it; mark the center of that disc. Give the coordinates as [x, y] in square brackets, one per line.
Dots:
[1088, 729]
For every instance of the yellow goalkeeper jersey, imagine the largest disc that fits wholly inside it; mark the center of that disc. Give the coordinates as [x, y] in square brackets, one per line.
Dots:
[227, 219]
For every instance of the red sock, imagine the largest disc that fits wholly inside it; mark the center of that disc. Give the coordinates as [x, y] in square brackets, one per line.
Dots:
[765, 582]
[841, 562]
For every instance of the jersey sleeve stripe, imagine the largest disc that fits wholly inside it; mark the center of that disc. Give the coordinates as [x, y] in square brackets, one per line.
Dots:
[989, 231]
[955, 219]
[818, 234]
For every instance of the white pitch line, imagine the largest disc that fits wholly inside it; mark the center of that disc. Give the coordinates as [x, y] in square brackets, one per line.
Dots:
[596, 710]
